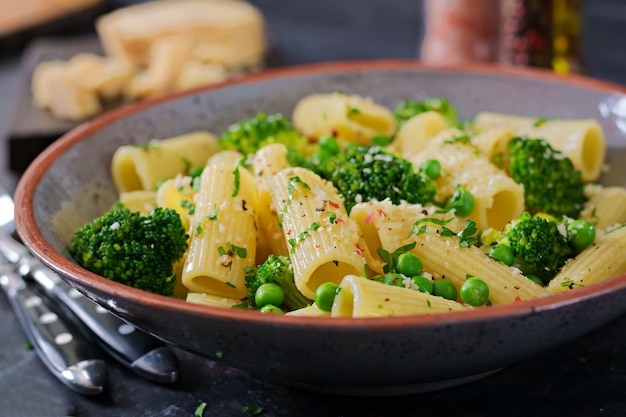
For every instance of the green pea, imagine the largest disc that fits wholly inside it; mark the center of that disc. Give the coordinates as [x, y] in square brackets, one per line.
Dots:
[432, 168]
[462, 201]
[474, 292]
[393, 279]
[269, 293]
[270, 308]
[581, 234]
[423, 283]
[535, 278]
[503, 254]
[444, 288]
[325, 295]
[409, 264]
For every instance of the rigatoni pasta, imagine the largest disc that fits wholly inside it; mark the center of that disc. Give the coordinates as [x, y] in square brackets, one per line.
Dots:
[276, 202]
[143, 167]
[414, 134]
[268, 162]
[361, 297]
[603, 260]
[605, 207]
[498, 198]
[349, 117]
[323, 240]
[223, 232]
[391, 227]
[581, 140]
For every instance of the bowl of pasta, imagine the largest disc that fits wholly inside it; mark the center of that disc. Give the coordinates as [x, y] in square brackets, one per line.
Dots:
[377, 227]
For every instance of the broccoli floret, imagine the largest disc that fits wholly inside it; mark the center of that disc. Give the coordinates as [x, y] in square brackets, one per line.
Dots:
[409, 108]
[551, 184]
[539, 244]
[276, 269]
[363, 173]
[135, 250]
[248, 135]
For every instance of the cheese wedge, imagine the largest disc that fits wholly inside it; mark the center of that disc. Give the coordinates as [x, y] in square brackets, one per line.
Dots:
[226, 32]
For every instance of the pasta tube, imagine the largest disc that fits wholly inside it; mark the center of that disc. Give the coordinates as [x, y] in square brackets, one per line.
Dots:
[362, 297]
[212, 300]
[494, 143]
[605, 207]
[140, 200]
[443, 257]
[323, 240]
[268, 161]
[178, 194]
[375, 218]
[350, 118]
[223, 232]
[310, 311]
[415, 132]
[143, 167]
[582, 141]
[498, 199]
[602, 260]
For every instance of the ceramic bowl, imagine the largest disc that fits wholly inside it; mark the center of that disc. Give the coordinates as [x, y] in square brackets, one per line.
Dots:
[69, 184]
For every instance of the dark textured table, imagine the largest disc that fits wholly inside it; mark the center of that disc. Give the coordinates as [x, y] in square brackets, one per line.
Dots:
[586, 377]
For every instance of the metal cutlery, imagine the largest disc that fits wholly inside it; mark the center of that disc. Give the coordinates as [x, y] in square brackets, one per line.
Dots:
[63, 348]
[142, 353]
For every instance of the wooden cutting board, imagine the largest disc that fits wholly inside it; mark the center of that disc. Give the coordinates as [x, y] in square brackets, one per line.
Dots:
[33, 129]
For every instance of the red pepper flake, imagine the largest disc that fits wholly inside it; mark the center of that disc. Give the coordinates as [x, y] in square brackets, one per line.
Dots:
[339, 220]
[381, 212]
[370, 217]
[359, 249]
[289, 232]
[333, 204]
[517, 298]
[317, 246]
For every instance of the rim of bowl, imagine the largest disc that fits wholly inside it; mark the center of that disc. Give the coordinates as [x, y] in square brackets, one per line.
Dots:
[31, 235]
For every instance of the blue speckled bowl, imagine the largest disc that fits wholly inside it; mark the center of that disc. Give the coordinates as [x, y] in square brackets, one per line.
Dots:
[69, 184]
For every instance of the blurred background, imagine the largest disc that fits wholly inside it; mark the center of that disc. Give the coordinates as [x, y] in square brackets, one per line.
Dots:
[565, 36]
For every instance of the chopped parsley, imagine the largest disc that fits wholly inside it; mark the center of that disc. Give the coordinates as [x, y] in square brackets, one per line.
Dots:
[213, 215]
[465, 235]
[570, 284]
[237, 175]
[200, 409]
[232, 250]
[352, 111]
[148, 146]
[463, 139]
[253, 410]
[420, 228]
[290, 189]
[295, 241]
[391, 258]
[189, 205]
[186, 162]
